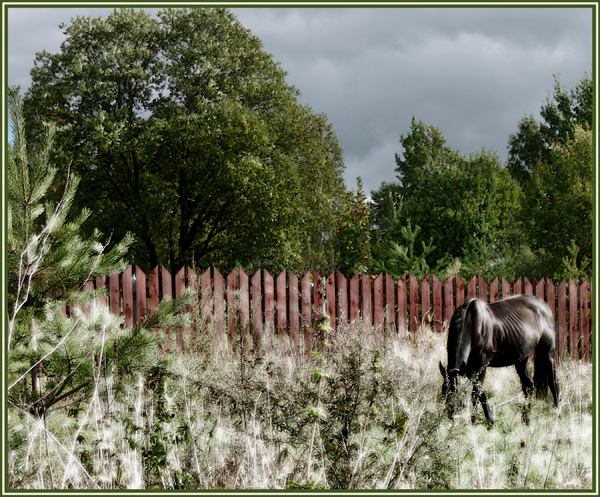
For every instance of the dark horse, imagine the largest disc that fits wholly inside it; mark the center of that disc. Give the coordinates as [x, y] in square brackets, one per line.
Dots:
[498, 335]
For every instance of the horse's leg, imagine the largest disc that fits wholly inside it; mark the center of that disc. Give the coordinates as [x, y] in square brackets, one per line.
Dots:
[479, 395]
[527, 384]
[552, 380]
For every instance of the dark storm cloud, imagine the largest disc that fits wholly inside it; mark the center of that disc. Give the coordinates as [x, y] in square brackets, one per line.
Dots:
[472, 72]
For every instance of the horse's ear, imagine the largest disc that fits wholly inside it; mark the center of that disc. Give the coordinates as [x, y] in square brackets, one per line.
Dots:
[442, 370]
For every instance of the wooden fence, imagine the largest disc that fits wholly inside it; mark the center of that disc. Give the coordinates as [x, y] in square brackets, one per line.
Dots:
[254, 311]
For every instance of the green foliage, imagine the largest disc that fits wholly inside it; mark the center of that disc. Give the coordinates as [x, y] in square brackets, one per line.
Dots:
[561, 114]
[557, 207]
[185, 132]
[459, 203]
[353, 235]
[403, 259]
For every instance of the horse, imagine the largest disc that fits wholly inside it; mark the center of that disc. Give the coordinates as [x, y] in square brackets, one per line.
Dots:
[500, 334]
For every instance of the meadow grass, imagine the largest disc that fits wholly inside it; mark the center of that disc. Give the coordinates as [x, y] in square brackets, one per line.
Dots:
[360, 413]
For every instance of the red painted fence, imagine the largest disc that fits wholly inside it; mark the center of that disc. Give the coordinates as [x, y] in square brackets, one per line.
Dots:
[261, 309]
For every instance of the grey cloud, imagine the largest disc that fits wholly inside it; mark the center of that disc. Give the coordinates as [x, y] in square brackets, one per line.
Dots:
[472, 72]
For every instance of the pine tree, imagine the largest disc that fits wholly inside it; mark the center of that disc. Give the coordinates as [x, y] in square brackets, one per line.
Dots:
[48, 265]
[53, 357]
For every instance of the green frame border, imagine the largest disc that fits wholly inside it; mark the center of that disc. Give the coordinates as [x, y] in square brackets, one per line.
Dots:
[306, 4]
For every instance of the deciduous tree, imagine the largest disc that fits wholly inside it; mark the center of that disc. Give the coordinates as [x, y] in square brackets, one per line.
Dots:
[184, 131]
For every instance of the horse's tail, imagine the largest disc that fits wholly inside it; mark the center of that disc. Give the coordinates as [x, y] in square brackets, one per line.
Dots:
[540, 374]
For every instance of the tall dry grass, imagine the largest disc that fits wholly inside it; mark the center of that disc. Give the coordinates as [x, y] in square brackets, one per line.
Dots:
[360, 413]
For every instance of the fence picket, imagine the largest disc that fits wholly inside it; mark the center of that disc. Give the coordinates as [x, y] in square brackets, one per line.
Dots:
[306, 309]
[437, 303]
[449, 293]
[244, 289]
[269, 296]
[426, 301]
[257, 314]
[378, 304]
[472, 288]
[413, 294]
[584, 326]
[330, 295]
[573, 321]
[367, 307]
[505, 287]
[219, 303]
[128, 297]
[354, 299]
[562, 319]
[482, 289]
[282, 311]
[342, 298]
[140, 294]
[294, 313]
[518, 286]
[153, 291]
[232, 308]
[460, 292]
[101, 283]
[494, 290]
[401, 299]
[390, 305]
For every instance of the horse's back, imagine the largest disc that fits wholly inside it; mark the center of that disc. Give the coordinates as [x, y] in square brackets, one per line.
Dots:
[523, 323]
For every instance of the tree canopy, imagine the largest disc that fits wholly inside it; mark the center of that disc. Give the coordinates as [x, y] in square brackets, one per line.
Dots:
[474, 215]
[561, 114]
[184, 131]
[452, 200]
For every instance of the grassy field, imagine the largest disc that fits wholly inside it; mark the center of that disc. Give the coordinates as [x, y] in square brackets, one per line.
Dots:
[358, 414]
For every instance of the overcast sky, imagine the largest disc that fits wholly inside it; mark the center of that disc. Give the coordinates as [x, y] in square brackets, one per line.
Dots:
[472, 72]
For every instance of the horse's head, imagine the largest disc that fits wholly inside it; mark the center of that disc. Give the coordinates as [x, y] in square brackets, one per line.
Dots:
[449, 389]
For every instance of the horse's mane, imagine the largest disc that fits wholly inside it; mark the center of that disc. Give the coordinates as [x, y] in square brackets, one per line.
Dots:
[455, 331]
